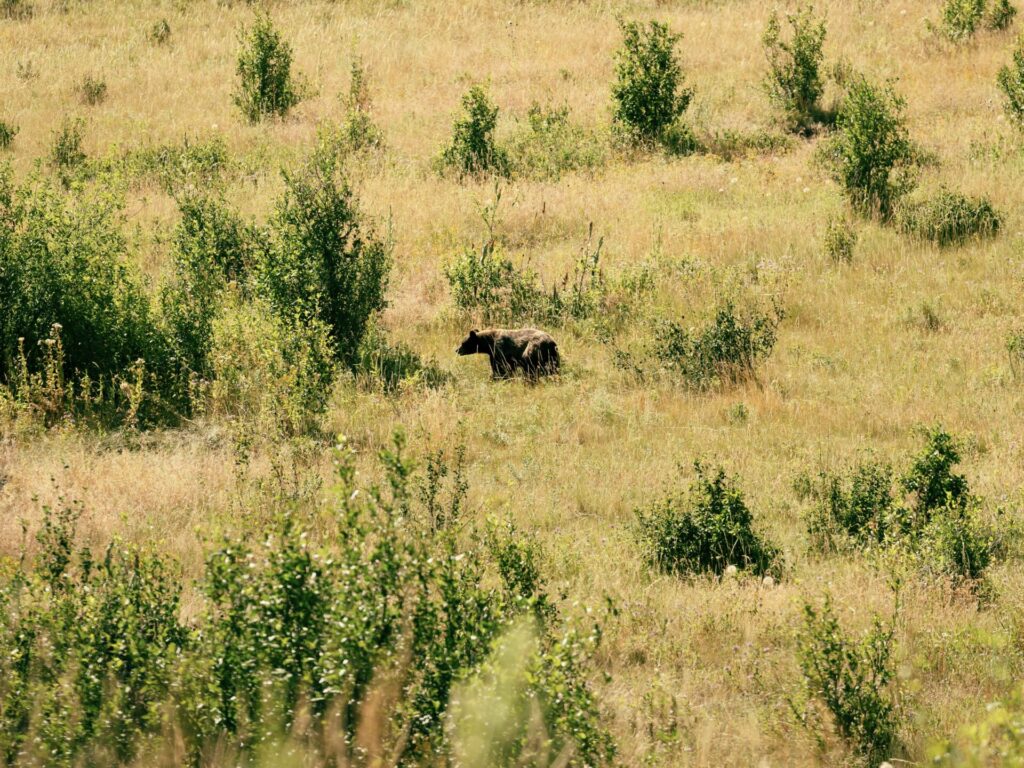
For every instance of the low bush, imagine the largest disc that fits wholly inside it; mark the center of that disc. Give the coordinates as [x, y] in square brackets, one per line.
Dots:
[730, 145]
[160, 32]
[704, 530]
[726, 350]
[549, 144]
[1015, 350]
[962, 18]
[857, 508]
[64, 261]
[1000, 15]
[852, 678]
[840, 240]
[324, 261]
[359, 130]
[1011, 82]
[16, 9]
[391, 366]
[339, 634]
[212, 247]
[185, 168]
[929, 515]
[949, 218]
[474, 150]
[794, 80]
[271, 374]
[266, 85]
[93, 90]
[997, 739]
[870, 155]
[7, 133]
[648, 94]
[66, 153]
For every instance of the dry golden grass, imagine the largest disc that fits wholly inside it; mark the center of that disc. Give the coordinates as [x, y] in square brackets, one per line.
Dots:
[570, 460]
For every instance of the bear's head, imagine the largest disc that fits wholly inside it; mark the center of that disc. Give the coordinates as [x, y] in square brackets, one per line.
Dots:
[471, 345]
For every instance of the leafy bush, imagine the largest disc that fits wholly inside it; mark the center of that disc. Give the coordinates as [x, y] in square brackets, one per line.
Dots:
[1015, 349]
[272, 374]
[648, 91]
[212, 248]
[852, 679]
[93, 90]
[550, 144]
[7, 133]
[726, 350]
[487, 284]
[931, 479]
[794, 79]
[187, 168]
[870, 155]
[16, 9]
[729, 144]
[840, 240]
[324, 262]
[372, 614]
[961, 18]
[1011, 83]
[65, 261]
[266, 86]
[949, 218]
[360, 132]
[705, 529]
[1001, 15]
[474, 150]
[390, 366]
[66, 153]
[995, 740]
[160, 32]
[858, 508]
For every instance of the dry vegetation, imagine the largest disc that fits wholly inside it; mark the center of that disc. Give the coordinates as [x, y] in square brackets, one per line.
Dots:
[691, 671]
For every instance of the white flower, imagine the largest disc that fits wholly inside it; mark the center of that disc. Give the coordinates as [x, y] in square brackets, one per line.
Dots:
[768, 581]
[730, 571]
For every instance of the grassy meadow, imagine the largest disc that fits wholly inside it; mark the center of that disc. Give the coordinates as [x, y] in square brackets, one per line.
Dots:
[699, 670]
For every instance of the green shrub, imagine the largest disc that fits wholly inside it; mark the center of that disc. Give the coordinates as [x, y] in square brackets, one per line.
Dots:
[997, 739]
[266, 86]
[931, 480]
[954, 545]
[186, 168]
[1015, 349]
[372, 612]
[1000, 15]
[857, 508]
[390, 366]
[1011, 83]
[160, 32]
[324, 262]
[961, 18]
[705, 529]
[66, 153]
[794, 80]
[7, 133]
[648, 92]
[64, 260]
[550, 144]
[840, 240]
[212, 248]
[949, 218]
[852, 678]
[272, 374]
[16, 9]
[359, 130]
[93, 91]
[870, 155]
[725, 351]
[474, 150]
[729, 145]
[487, 285]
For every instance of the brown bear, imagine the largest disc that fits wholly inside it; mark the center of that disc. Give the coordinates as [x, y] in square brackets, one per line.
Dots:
[535, 352]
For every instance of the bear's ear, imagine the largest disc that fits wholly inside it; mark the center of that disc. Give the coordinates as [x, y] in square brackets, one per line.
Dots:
[472, 334]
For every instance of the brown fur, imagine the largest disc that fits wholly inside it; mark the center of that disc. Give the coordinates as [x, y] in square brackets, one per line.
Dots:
[527, 349]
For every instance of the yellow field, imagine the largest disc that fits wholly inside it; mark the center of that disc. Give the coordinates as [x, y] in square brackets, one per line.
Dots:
[854, 369]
